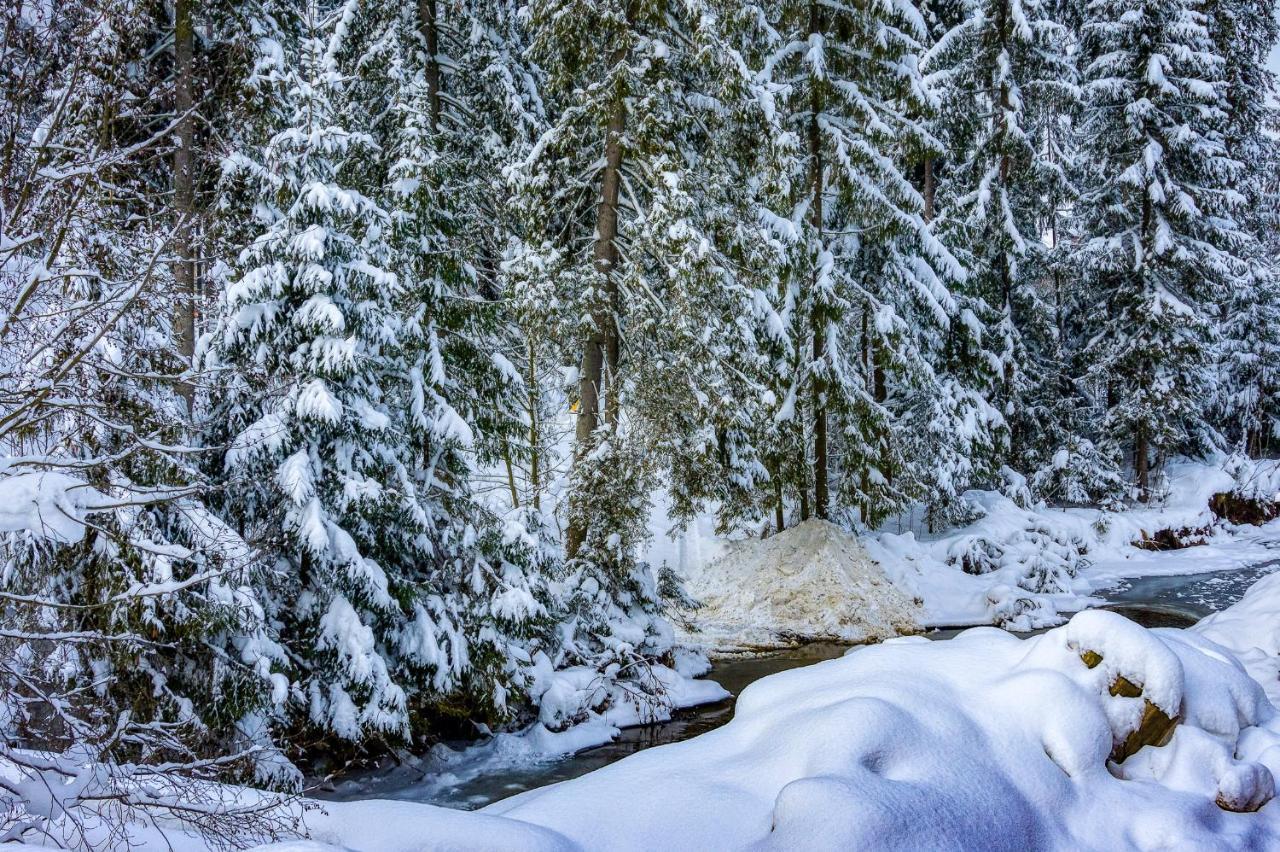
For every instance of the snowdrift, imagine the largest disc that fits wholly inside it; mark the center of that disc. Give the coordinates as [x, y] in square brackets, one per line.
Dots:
[1098, 735]
[813, 581]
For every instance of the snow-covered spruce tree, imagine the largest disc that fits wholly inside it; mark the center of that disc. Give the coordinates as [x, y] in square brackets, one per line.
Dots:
[1247, 398]
[365, 389]
[484, 95]
[867, 304]
[1005, 79]
[463, 105]
[316, 456]
[1158, 238]
[630, 218]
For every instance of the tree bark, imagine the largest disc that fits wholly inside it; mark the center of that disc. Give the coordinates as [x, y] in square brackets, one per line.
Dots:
[597, 372]
[429, 29]
[606, 252]
[779, 515]
[511, 475]
[535, 458]
[929, 190]
[184, 196]
[819, 316]
[1141, 464]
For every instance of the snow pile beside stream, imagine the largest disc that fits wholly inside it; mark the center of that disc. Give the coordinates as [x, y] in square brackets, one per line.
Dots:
[813, 581]
[1020, 568]
[987, 741]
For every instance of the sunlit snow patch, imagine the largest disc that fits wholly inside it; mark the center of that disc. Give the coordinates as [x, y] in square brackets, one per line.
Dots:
[813, 581]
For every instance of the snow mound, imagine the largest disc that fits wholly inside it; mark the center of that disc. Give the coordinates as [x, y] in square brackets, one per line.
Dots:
[813, 581]
[1098, 735]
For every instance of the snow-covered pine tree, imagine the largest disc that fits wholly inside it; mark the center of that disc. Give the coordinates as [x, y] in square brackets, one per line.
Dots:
[1158, 237]
[365, 350]
[1247, 398]
[307, 340]
[490, 117]
[632, 221]
[867, 305]
[1004, 78]
[462, 105]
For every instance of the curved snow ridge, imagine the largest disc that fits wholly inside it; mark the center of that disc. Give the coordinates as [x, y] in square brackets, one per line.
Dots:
[987, 741]
[814, 581]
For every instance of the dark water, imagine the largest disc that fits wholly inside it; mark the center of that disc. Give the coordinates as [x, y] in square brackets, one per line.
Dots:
[1197, 595]
[1150, 601]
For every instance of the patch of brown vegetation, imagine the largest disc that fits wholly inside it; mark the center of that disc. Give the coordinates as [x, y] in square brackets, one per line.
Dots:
[1171, 539]
[1235, 509]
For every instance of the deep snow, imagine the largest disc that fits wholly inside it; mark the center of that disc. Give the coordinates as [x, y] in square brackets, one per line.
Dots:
[987, 741]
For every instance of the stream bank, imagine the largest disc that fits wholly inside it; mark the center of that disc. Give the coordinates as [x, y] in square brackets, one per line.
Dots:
[1161, 601]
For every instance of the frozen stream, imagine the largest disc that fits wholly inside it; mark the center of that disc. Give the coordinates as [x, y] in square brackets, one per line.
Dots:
[1151, 601]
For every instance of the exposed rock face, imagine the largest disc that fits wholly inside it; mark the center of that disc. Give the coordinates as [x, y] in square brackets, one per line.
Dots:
[1155, 727]
[811, 582]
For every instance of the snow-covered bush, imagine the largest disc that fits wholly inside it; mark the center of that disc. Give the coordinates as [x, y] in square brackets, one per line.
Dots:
[134, 660]
[1035, 556]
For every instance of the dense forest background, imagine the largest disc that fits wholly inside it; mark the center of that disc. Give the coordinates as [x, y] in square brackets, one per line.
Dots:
[348, 343]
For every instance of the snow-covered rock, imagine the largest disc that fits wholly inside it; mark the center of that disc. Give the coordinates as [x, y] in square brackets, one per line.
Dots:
[813, 581]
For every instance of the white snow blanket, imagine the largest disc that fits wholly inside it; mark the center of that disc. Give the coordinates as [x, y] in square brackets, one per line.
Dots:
[813, 581]
[987, 742]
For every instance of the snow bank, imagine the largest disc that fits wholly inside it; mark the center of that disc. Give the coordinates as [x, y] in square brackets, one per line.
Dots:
[1098, 735]
[813, 581]
[1014, 567]
[987, 741]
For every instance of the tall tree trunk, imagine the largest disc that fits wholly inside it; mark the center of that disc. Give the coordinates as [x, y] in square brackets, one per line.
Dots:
[535, 457]
[597, 372]
[429, 29]
[511, 475]
[929, 189]
[1142, 463]
[1141, 444]
[779, 513]
[819, 316]
[184, 193]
